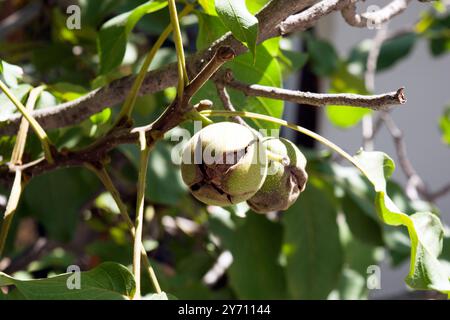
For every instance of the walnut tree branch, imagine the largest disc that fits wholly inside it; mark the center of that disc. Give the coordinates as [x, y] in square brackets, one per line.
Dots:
[175, 113]
[73, 112]
[374, 102]
[226, 101]
[378, 17]
[305, 19]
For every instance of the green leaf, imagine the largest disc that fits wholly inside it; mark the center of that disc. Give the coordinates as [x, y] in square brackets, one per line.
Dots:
[67, 91]
[444, 125]
[256, 272]
[255, 6]
[424, 228]
[293, 60]
[265, 71]
[113, 35]
[164, 182]
[10, 74]
[159, 296]
[312, 246]
[244, 26]
[346, 116]
[363, 226]
[359, 257]
[101, 117]
[7, 108]
[108, 281]
[394, 50]
[435, 29]
[45, 100]
[210, 27]
[56, 198]
[94, 11]
[208, 6]
[323, 57]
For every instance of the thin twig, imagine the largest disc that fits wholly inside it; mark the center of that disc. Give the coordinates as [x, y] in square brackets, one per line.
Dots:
[415, 184]
[307, 18]
[369, 80]
[140, 202]
[439, 193]
[130, 100]
[376, 18]
[73, 112]
[171, 117]
[226, 102]
[16, 159]
[104, 177]
[42, 135]
[374, 102]
[183, 79]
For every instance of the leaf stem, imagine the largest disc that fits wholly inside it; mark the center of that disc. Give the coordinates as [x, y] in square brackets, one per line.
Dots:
[183, 79]
[318, 137]
[132, 95]
[45, 141]
[16, 159]
[107, 182]
[11, 207]
[140, 202]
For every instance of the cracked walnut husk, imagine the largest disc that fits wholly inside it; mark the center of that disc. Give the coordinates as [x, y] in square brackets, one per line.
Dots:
[224, 164]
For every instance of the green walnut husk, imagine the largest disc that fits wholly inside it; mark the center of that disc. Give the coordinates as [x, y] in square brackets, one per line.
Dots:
[285, 180]
[224, 164]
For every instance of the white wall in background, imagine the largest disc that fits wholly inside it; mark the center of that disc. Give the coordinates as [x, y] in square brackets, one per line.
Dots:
[427, 82]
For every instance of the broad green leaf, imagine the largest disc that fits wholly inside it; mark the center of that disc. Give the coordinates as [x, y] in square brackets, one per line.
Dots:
[293, 60]
[210, 27]
[266, 71]
[208, 6]
[45, 100]
[255, 6]
[444, 124]
[108, 281]
[67, 91]
[435, 28]
[94, 11]
[392, 51]
[424, 228]
[158, 296]
[346, 116]
[164, 182]
[312, 246]
[351, 286]
[440, 46]
[356, 198]
[7, 108]
[10, 73]
[101, 117]
[323, 57]
[113, 35]
[255, 272]
[363, 226]
[244, 26]
[56, 198]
